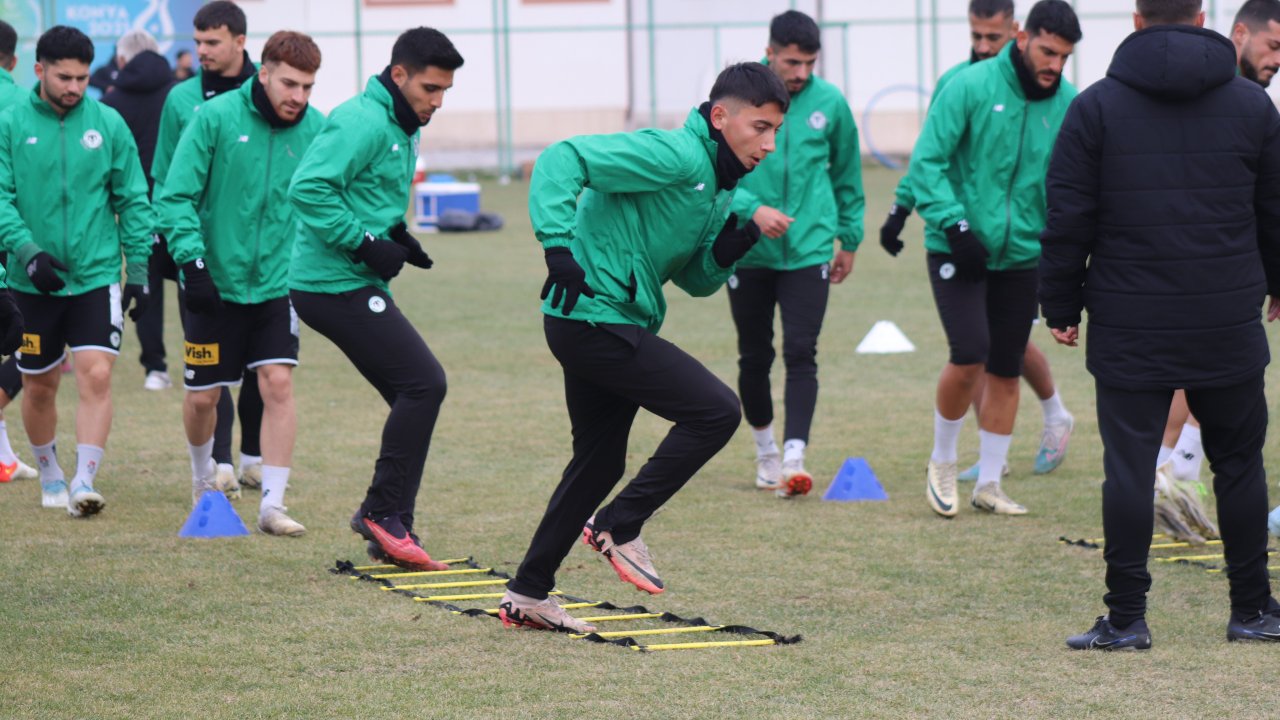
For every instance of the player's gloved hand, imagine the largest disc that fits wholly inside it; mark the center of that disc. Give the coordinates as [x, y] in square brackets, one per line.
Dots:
[1273, 521]
[405, 239]
[41, 267]
[733, 242]
[137, 294]
[11, 324]
[567, 277]
[201, 294]
[967, 252]
[891, 231]
[384, 257]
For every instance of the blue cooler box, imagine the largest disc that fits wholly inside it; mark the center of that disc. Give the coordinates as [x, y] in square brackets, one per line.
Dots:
[433, 197]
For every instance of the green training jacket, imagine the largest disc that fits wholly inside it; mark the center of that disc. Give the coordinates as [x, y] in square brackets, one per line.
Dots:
[228, 202]
[180, 105]
[10, 92]
[63, 183]
[648, 213]
[815, 176]
[353, 179]
[904, 195]
[998, 144]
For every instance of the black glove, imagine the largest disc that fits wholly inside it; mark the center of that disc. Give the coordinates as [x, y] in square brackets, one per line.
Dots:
[892, 229]
[137, 294]
[405, 239]
[734, 242]
[384, 257]
[41, 271]
[201, 295]
[967, 252]
[11, 324]
[567, 277]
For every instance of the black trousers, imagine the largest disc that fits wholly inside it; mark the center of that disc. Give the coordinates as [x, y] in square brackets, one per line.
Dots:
[801, 295]
[150, 326]
[610, 372]
[380, 341]
[1233, 426]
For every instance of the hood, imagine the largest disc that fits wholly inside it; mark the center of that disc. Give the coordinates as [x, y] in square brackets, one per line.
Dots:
[1175, 62]
[146, 72]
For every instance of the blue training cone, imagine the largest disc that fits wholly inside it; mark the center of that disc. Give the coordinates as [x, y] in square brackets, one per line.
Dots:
[855, 481]
[213, 517]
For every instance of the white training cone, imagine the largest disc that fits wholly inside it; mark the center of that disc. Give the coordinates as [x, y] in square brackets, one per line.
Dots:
[884, 338]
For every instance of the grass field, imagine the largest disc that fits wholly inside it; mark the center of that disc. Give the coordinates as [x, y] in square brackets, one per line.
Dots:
[903, 614]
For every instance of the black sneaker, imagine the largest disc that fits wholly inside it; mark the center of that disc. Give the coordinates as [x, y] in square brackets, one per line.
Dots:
[1105, 636]
[1265, 626]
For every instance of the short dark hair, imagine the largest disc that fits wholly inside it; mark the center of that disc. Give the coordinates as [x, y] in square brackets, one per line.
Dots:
[1054, 16]
[62, 43]
[8, 41]
[222, 13]
[795, 28]
[1256, 14]
[419, 48]
[182, 52]
[293, 49]
[751, 83]
[990, 8]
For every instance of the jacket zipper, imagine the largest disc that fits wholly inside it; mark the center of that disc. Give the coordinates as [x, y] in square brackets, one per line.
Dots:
[1008, 196]
[786, 175]
[62, 136]
[257, 237]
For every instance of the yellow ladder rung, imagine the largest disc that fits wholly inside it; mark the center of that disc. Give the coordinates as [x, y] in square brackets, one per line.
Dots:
[1188, 558]
[1096, 541]
[473, 596]
[468, 583]
[659, 631]
[566, 606]
[367, 568]
[427, 573]
[1169, 545]
[701, 645]
[610, 618]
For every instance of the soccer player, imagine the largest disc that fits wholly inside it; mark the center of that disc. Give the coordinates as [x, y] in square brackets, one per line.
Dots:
[220, 28]
[1164, 224]
[64, 253]
[985, 210]
[350, 196]
[225, 210]
[991, 27]
[809, 198]
[618, 216]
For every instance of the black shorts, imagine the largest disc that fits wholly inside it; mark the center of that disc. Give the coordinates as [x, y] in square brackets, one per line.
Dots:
[219, 346]
[987, 322]
[89, 321]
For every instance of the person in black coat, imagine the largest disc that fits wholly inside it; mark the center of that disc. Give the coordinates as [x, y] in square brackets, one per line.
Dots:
[140, 89]
[1164, 224]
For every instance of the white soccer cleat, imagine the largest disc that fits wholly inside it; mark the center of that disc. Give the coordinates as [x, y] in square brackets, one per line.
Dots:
[989, 497]
[157, 380]
[274, 521]
[54, 494]
[225, 481]
[202, 485]
[85, 501]
[768, 471]
[940, 488]
[251, 477]
[795, 480]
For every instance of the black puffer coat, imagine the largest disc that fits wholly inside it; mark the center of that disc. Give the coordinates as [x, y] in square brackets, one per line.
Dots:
[1164, 215]
[138, 95]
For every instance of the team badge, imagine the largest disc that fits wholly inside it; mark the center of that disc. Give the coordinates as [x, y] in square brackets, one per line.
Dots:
[733, 282]
[377, 304]
[91, 140]
[115, 339]
[947, 271]
[817, 120]
[826, 271]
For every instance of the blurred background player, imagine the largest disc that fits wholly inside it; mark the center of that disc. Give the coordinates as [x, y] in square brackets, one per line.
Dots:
[350, 194]
[808, 196]
[230, 226]
[65, 266]
[992, 25]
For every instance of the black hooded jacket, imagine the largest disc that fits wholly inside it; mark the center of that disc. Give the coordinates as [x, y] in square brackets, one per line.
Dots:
[1164, 215]
[138, 95]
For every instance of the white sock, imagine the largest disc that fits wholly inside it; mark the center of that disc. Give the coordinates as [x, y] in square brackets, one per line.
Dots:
[249, 461]
[993, 453]
[88, 460]
[793, 451]
[1188, 454]
[47, 462]
[274, 481]
[765, 444]
[7, 456]
[946, 436]
[201, 458]
[1055, 413]
[1166, 452]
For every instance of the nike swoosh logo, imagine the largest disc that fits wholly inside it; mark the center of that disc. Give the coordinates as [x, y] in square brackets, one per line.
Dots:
[656, 582]
[1104, 645]
[934, 495]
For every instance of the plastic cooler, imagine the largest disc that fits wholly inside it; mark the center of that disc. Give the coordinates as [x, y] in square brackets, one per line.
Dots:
[438, 194]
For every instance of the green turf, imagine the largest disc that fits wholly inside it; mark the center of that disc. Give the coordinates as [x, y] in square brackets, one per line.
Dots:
[903, 614]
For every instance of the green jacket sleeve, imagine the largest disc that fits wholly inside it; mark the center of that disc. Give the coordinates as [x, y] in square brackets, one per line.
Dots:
[167, 137]
[178, 203]
[619, 163]
[334, 159]
[905, 195]
[944, 127]
[701, 276]
[128, 200]
[14, 232]
[845, 170]
[745, 204]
